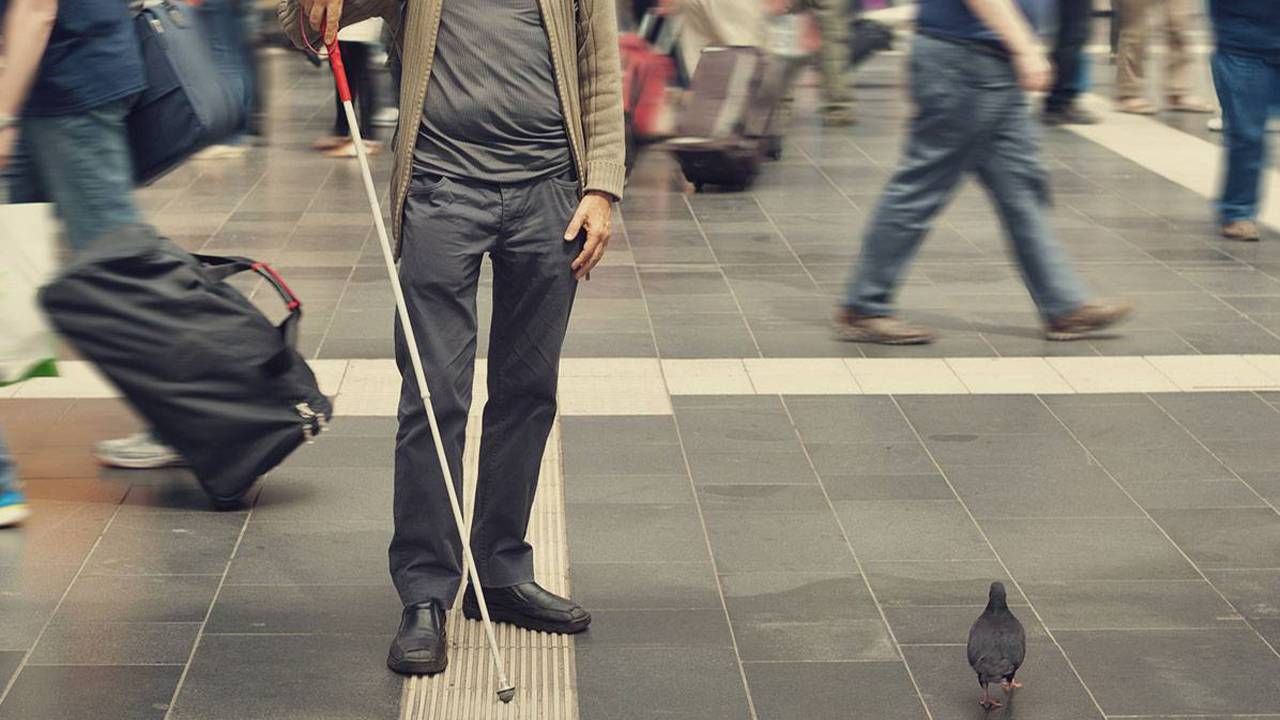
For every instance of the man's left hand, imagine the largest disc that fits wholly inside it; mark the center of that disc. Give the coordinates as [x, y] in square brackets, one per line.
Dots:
[594, 215]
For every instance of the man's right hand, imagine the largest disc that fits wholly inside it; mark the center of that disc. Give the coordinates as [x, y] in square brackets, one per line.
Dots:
[323, 16]
[1035, 74]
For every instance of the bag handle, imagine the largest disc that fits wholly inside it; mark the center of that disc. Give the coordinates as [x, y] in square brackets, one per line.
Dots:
[220, 268]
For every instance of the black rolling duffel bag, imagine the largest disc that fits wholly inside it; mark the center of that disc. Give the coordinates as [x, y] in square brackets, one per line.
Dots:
[213, 376]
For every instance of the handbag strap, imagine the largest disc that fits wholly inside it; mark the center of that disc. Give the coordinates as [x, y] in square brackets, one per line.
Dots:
[220, 268]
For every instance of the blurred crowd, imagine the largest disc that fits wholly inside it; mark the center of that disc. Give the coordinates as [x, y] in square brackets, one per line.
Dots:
[74, 72]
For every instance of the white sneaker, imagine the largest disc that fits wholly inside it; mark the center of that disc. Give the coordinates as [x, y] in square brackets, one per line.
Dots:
[141, 451]
[222, 152]
[1273, 125]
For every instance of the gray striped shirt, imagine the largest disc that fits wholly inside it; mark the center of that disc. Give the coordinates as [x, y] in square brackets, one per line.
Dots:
[492, 112]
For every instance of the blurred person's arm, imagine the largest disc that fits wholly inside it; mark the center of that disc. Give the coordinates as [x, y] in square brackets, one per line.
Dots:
[27, 25]
[1007, 21]
[323, 18]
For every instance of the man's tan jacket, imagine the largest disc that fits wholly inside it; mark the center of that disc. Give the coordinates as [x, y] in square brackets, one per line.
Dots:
[583, 35]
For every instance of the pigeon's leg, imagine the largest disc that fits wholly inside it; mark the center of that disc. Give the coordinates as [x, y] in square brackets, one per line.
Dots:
[1010, 684]
[986, 700]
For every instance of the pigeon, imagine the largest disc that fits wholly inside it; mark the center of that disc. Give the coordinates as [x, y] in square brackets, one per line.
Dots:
[997, 646]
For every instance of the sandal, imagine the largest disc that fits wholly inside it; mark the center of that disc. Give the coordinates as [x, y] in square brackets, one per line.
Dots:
[1136, 106]
[1188, 104]
[328, 142]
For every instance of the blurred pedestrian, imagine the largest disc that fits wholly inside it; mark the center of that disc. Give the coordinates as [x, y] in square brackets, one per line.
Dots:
[1060, 106]
[72, 71]
[1131, 59]
[972, 64]
[1246, 73]
[226, 24]
[836, 106]
[356, 43]
[13, 505]
[716, 22]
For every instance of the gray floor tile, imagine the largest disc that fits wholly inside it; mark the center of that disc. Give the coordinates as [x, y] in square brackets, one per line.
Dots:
[1051, 690]
[1134, 605]
[316, 677]
[310, 553]
[28, 596]
[620, 489]
[857, 691]
[306, 609]
[636, 683]
[1254, 593]
[825, 420]
[619, 429]
[766, 429]
[583, 459]
[763, 498]
[737, 468]
[744, 541]
[138, 598]
[955, 582]
[1194, 494]
[1164, 672]
[778, 597]
[911, 530]
[69, 691]
[684, 628]
[994, 414]
[637, 586]
[1033, 490]
[805, 641]
[949, 624]
[872, 458]
[111, 643]
[1225, 538]
[634, 533]
[887, 487]
[1084, 549]
[149, 543]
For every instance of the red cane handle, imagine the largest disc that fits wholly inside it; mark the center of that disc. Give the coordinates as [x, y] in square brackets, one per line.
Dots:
[335, 57]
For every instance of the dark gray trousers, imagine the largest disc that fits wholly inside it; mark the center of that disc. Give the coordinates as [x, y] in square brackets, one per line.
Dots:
[449, 225]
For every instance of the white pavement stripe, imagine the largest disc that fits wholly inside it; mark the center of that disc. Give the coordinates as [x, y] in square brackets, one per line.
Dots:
[645, 386]
[1191, 162]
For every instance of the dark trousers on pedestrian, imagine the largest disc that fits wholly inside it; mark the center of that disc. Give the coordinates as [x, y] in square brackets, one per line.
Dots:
[449, 226]
[364, 92]
[1074, 19]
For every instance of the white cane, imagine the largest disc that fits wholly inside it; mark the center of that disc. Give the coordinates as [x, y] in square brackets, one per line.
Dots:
[506, 691]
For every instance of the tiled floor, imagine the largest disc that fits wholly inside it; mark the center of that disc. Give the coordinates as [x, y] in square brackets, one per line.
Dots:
[766, 523]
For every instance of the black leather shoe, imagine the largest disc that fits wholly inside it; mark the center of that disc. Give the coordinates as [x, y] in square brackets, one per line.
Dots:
[528, 606]
[420, 647]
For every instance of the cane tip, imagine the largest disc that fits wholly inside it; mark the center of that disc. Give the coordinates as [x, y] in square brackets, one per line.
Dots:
[507, 694]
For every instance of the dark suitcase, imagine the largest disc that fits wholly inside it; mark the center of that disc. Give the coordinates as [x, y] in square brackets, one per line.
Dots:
[214, 378]
[186, 106]
[732, 113]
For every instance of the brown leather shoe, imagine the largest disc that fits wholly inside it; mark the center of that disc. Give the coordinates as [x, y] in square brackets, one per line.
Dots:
[1087, 320]
[850, 326]
[1245, 230]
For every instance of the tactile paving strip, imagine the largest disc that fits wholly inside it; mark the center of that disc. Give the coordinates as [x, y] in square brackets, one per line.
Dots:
[540, 665]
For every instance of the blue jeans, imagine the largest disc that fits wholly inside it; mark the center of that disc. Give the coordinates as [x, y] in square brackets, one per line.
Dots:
[8, 475]
[81, 163]
[971, 117]
[225, 26]
[1249, 90]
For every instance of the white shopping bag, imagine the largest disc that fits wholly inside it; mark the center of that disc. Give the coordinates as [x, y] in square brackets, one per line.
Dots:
[28, 253]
